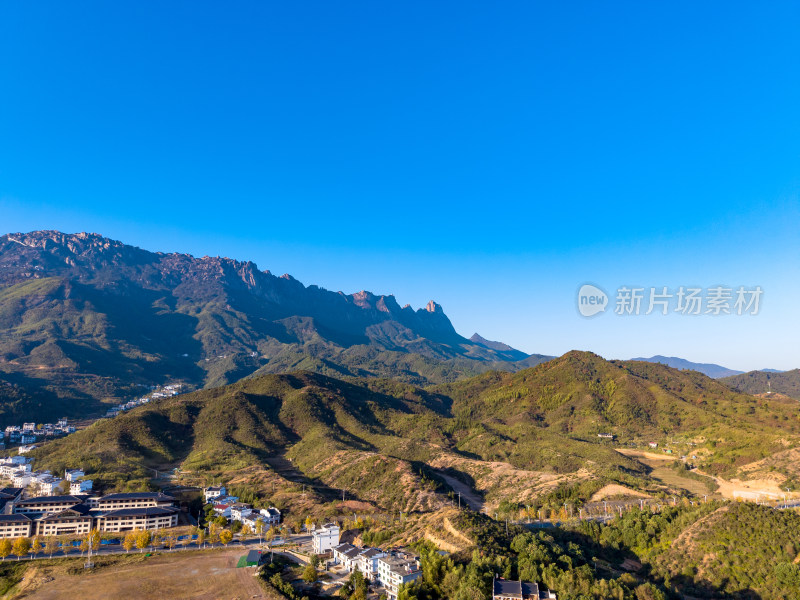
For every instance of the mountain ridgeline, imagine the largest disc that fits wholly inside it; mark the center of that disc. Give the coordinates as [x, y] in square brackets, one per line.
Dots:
[93, 319]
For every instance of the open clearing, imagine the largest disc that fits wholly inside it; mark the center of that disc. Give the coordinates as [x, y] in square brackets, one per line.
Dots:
[660, 470]
[206, 575]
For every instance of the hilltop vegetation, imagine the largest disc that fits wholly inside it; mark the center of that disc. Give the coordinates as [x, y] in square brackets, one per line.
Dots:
[714, 550]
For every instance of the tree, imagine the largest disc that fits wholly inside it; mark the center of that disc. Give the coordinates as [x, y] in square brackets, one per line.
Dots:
[213, 534]
[221, 521]
[271, 532]
[21, 547]
[309, 523]
[246, 531]
[170, 541]
[5, 547]
[201, 538]
[36, 547]
[84, 547]
[225, 536]
[310, 574]
[129, 541]
[142, 540]
[51, 545]
[315, 560]
[94, 539]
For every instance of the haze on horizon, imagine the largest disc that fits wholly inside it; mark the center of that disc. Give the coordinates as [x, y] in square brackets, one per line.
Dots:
[492, 160]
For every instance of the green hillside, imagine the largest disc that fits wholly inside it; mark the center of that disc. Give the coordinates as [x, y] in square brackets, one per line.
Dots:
[389, 443]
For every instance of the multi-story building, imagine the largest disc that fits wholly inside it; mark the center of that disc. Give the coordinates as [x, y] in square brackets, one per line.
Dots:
[14, 526]
[79, 514]
[48, 505]
[325, 538]
[134, 500]
[368, 561]
[394, 571]
[81, 486]
[128, 519]
[76, 519]
[213, 492]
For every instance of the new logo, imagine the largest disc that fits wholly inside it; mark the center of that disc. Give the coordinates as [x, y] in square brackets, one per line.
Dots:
[591, 300]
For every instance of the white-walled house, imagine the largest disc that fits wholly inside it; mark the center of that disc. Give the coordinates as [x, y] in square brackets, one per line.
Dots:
[325, 538]
[213, 492]
[368, 561]
[79, 487]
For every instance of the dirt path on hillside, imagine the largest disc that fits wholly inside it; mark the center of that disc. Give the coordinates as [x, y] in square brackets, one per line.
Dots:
[468, 495]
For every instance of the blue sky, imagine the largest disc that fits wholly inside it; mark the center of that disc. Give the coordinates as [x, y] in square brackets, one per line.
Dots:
[491, 157]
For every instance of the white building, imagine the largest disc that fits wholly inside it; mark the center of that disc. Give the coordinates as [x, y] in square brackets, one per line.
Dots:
[325, 538]
[73, 474]
[79, 487]
[271, 515]
[21, 479]
[394, 571]
[368, 561]
[210, 493]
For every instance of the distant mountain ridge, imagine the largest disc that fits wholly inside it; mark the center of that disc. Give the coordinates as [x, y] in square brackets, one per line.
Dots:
[95, 318]
[710, 369]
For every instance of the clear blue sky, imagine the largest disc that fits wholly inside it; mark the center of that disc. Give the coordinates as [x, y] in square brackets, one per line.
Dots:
[492, 157]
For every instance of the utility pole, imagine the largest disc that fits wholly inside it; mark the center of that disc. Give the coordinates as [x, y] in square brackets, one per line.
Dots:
[459, 500]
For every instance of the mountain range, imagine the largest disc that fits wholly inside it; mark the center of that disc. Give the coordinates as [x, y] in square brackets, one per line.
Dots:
[712, 370]
[94, 320]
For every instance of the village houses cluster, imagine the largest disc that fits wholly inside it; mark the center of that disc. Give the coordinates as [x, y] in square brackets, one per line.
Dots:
[229, 507]
[387, 569]
[17, 470]
[391, 569]
[28, 434]
[173, 389]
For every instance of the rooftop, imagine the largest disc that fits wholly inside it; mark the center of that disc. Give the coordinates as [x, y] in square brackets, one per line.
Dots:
[52, 500]
[146, 511]
[138, 496]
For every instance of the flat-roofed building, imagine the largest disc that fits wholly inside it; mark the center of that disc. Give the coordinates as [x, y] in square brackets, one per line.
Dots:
[394, 571]
[325, 539]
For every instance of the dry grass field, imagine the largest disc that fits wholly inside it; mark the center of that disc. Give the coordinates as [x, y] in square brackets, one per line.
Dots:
[206, 575]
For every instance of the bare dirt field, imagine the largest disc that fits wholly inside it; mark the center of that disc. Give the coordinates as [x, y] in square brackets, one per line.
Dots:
[202, 575]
